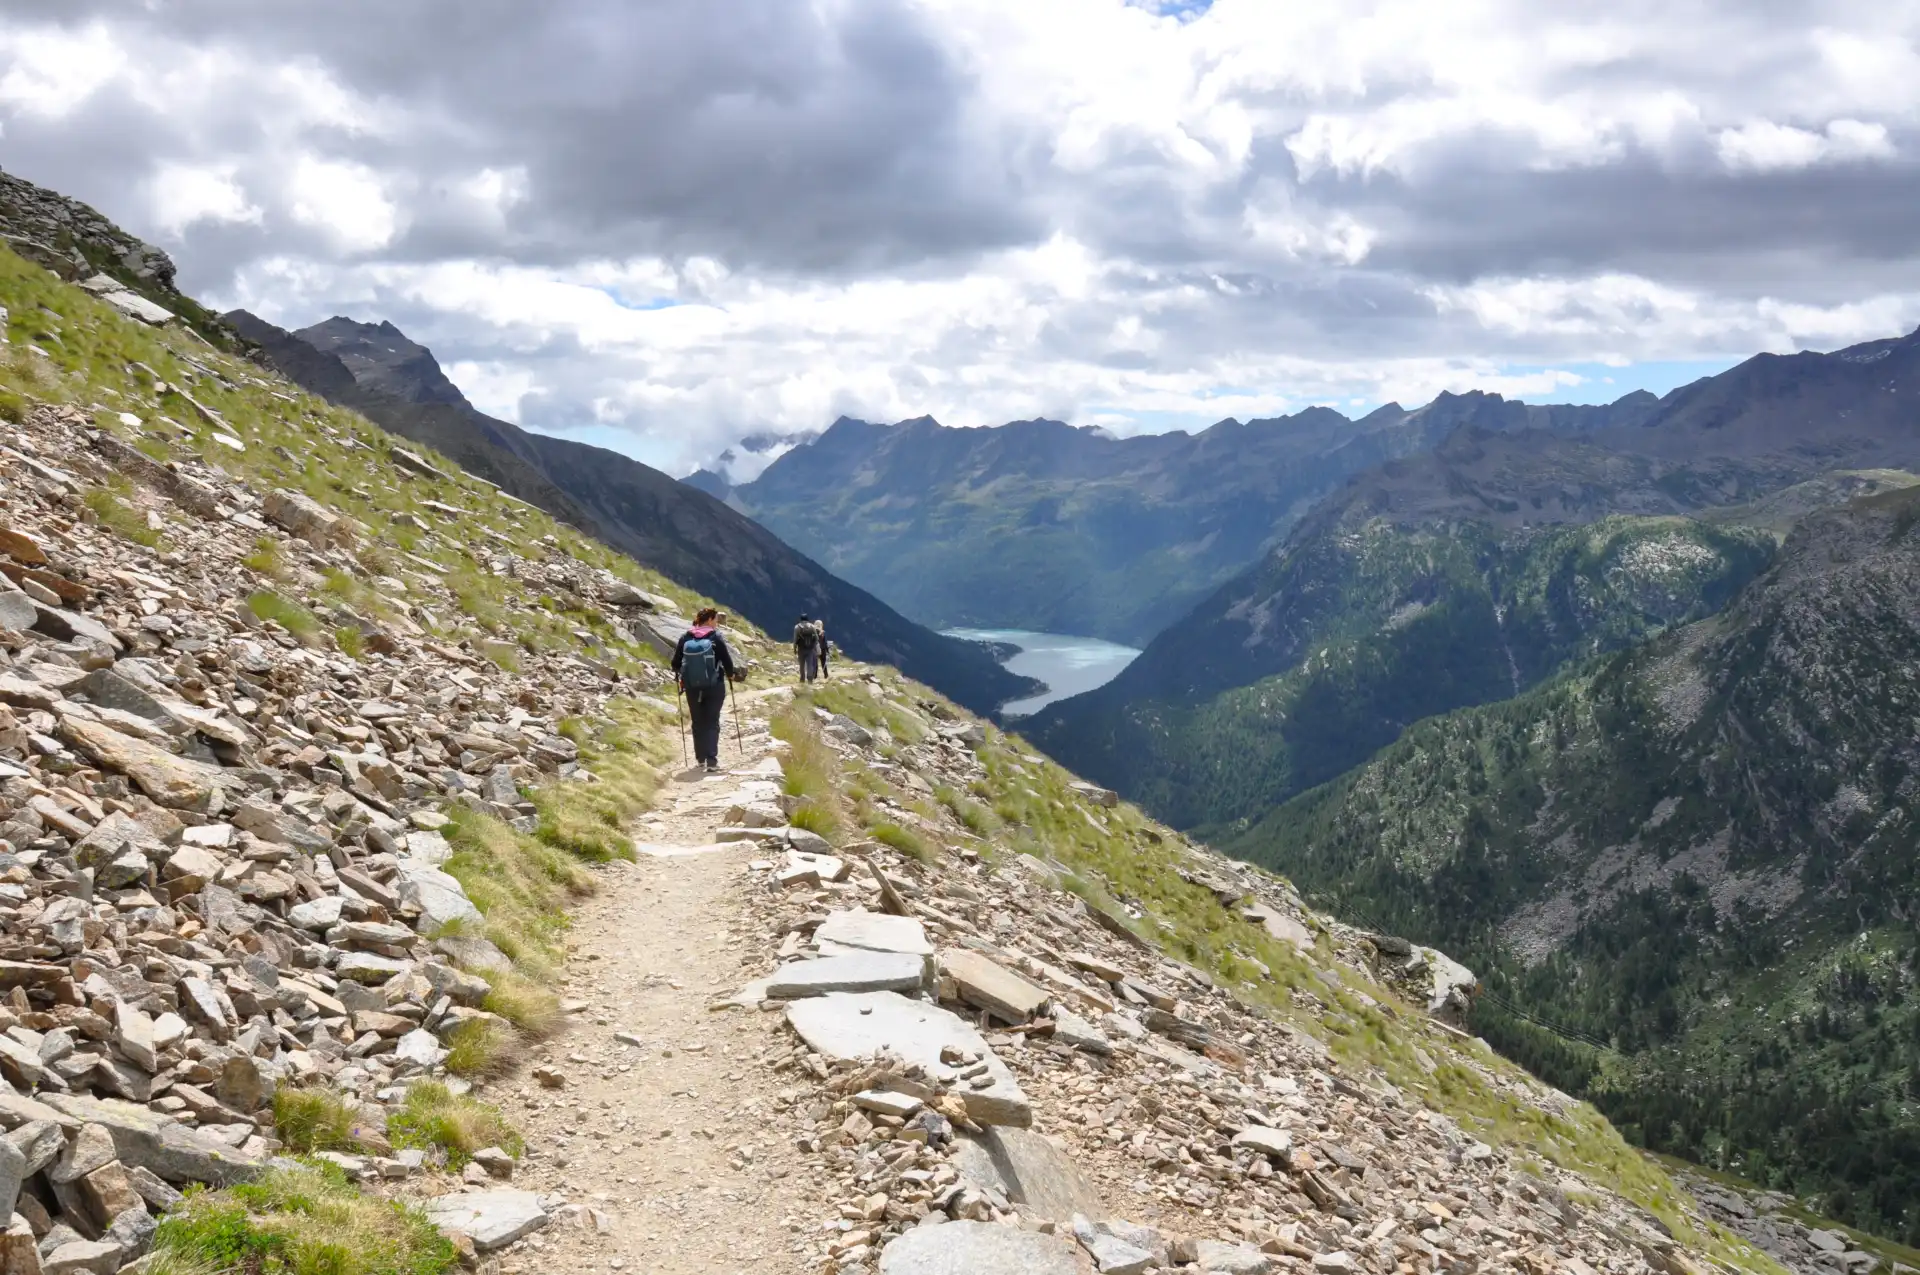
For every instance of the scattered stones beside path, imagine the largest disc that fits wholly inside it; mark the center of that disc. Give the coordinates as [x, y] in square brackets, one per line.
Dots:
[221, 858]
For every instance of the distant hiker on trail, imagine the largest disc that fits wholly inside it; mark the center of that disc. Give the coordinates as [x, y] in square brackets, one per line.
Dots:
[826, 652]
[704, 666]
[808, 636]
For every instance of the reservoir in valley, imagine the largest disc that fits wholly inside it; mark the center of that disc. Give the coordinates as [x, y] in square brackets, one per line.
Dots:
[1068, 665]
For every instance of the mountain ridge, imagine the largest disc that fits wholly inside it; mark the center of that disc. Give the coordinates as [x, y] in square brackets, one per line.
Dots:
[1043, 525]
[1760, 428]
[695, 539]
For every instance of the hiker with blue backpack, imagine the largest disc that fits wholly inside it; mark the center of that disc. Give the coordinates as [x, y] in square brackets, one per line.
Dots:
[704, 666]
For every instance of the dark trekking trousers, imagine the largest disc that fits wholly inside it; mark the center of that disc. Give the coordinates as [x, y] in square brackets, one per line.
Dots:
[704, 707]
[810, 664]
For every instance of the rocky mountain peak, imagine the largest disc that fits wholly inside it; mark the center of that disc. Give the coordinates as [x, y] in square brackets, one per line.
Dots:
[383, 358]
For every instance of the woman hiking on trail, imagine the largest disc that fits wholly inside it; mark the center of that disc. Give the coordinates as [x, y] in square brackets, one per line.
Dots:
[704, 666]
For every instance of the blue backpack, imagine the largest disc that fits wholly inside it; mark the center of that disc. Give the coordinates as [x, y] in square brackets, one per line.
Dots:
[699, 664]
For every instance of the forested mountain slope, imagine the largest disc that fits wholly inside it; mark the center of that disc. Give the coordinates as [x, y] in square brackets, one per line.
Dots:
[1699, 855]
[1419, 589]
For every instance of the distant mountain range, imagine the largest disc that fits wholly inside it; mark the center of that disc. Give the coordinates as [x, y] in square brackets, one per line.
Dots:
[690, 536]
[1448, 578]
[1041, 525]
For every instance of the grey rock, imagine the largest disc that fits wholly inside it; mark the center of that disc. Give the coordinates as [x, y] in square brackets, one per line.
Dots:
[473, 953]
[491, 1219]
[91, 1149]
[441, 900]
[980, 1248]
[1111, 1254]
[1094, 793]
[857, 972]
[814, 844]
[1231, 1259]
[429, 848]
[420, 1049]
[1274, 1143]
[69, 626]
[1076, 1032]
[133, 1231]
[83, 1257]
[17, 611]
[990, 986]
[367, 968]
[320, 914]
[244, 1084]
[1040, 1177]
[13, 1172]
[1280, 926]
[40, 1142]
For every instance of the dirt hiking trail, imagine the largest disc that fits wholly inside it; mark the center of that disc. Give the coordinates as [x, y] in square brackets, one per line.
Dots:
[671, 1138]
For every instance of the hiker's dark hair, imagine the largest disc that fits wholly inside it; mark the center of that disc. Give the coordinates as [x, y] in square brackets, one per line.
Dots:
[706, 614]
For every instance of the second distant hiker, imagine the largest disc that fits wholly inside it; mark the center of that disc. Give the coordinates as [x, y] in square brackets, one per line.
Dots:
[704, 666]
[808, 636]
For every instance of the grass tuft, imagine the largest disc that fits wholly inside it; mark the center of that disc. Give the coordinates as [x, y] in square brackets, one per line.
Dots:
[109, 505]
[905, 840]
[480, 1048]
[270, 608]
[266, 558]
[315, 1120]
[531, 1008]
[304, 1220]
[433, 1116]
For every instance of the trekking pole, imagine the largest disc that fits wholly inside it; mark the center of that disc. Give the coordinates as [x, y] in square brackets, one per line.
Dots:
[737, 741]
[680, 715]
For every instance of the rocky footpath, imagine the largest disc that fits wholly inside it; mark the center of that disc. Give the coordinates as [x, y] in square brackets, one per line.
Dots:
[992, 1076]
[222, 846]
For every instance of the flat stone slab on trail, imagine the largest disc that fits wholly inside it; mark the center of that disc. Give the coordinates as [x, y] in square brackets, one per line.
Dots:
[875, 932]
[981, 1248]
[491, 1219]
[858, 1025]
[664, 850]
[856, 972]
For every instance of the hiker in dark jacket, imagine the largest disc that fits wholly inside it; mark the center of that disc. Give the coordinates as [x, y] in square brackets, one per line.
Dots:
[704, 666]
[807, 636]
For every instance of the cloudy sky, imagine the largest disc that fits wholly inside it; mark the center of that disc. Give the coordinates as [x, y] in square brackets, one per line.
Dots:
[662, 224]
